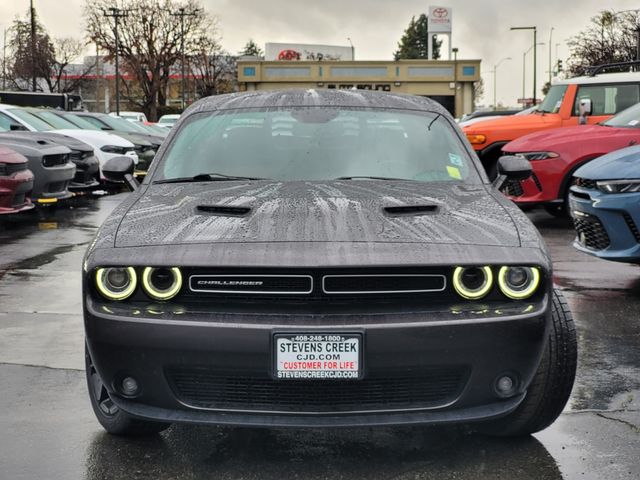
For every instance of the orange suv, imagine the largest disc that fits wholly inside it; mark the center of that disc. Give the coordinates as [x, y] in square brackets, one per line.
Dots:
[609, 93]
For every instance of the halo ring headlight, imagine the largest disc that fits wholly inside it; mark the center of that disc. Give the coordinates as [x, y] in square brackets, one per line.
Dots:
[116, 283]
[472, 283]
[518, 282]
[170, 279]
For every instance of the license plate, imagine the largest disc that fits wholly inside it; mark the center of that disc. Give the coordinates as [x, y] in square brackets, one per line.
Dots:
[318, 356]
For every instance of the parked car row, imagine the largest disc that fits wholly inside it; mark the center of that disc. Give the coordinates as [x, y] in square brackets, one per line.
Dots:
[65, 152]
[573, 142]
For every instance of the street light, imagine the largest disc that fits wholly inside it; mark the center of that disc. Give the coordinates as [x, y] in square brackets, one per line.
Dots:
[455, 80]
[495, 69]
[524, 56]
[550, 44]
[535, 56]
[182, 12]
[353, 50]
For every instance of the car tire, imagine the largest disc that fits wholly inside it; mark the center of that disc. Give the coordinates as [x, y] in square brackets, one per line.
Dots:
[112, 418]
[551, 386]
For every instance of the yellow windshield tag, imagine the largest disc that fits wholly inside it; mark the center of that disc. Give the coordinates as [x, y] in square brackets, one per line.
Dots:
[454, 172]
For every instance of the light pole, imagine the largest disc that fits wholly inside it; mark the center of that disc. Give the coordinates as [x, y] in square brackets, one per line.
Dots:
[524, 56]
[117, 14]
[182, 12]
[535, 56]
[550, 44]
[455, 80]
[353, 50]
[32, 11]
[495, 69]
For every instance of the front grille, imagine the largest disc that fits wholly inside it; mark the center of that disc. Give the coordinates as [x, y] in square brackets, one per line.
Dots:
[357, 284]
[632, 226]
[206, 388]
[513, 188]
[585, 183]
[591, 232]
[11, 168]
[256, 284]
[54, 160]
[77, 155]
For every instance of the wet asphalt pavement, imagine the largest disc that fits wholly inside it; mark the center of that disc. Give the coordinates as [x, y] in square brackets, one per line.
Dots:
[47, 428]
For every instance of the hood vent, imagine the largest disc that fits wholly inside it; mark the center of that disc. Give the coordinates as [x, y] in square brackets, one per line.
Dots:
[223, 210]
[412, 210]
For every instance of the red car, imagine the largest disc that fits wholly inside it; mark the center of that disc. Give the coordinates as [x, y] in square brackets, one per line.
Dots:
[16, 182]
[556, 154]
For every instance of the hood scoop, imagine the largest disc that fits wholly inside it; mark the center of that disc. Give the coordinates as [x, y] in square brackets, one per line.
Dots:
[223, 210]
[412, 210]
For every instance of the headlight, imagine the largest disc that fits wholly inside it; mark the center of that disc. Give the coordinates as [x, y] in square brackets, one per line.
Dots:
[162, 283]
[619, 186]
[114, 149]
[538, 155]
[472, 283]
[476, 139]
[116, 283]
[517, 282]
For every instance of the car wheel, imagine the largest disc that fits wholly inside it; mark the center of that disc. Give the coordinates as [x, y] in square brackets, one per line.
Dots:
[551, 386]
[112, 419]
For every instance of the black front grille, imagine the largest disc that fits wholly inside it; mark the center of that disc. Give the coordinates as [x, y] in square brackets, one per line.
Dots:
[591, 232]
[11, 168]
[585, 183]
[258, 284]
[206, 388]
[54, 160]
[77, 155]
[632, 226]
[346, 284]
[513, 188]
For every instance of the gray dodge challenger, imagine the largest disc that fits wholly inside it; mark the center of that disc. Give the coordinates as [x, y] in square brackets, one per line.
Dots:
[322, 258]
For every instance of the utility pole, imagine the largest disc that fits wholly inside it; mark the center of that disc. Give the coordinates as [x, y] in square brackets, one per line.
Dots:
[495, 81]
[4, 58]
[182, 12]
[117, 14]
[535, 57]
[32, 11]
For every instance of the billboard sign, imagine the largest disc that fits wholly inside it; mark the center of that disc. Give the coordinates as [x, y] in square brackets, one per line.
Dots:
[301, 51]
[440, 19]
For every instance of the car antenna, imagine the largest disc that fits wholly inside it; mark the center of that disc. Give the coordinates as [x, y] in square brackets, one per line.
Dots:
[434, 119]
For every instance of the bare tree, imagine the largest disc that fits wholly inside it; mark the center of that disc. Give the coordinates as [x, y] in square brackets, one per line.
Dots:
[64, 75]
[150, 42]
[609, 38]
[23, 63]
[213, 69]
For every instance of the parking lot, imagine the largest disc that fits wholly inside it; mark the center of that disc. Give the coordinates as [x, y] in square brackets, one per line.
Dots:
[49, 430]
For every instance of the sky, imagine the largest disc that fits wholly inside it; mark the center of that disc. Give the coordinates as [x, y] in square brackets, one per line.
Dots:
[480, 28]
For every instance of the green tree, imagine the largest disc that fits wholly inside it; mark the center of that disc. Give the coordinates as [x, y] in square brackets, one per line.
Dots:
[413, 43]
[251, 49]
[608, 38]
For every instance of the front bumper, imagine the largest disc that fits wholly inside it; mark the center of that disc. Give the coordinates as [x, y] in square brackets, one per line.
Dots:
[87, 174]
[543, 187]
[607, 225]
[15, 191]
[152, 344]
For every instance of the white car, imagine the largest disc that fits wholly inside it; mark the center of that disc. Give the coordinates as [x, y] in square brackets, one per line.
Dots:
[131, 116]
[168, 120]
[106, 145]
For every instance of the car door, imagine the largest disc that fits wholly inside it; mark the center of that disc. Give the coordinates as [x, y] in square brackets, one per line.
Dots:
[606, 101]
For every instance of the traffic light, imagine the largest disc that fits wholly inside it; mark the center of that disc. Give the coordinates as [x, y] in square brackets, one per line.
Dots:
[559, 67]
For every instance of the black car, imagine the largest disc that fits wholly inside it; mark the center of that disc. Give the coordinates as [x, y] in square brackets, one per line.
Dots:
[318, 258]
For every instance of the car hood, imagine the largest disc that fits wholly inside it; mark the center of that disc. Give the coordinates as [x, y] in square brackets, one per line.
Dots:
[547, 140]
[47, 138]
[336, 211]
[514, 123]
[619, 165]
[96, 138]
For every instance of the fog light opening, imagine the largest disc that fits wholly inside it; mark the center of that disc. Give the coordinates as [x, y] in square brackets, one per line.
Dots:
[129, 386]
[506, 385]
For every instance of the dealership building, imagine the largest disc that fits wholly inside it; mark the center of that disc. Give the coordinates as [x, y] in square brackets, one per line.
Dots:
[449, 82]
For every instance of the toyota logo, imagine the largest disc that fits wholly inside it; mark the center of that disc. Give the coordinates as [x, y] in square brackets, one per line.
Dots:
[440, 12]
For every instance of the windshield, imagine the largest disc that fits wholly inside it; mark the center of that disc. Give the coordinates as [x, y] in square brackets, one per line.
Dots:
[319, 143]
[54, 120]
[629, 118]
[117, 123]
[31, 120]
[80, 122]
[553, 100]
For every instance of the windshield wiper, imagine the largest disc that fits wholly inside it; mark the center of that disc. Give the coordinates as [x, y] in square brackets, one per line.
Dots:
[206, 177]
[366, 177]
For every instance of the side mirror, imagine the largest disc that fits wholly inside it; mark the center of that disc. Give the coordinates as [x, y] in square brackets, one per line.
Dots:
[120, 170]
[512, 167]
[17, 127]
[585, 107]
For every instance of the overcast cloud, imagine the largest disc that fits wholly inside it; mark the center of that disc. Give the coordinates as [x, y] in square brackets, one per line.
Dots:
[480, 28]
